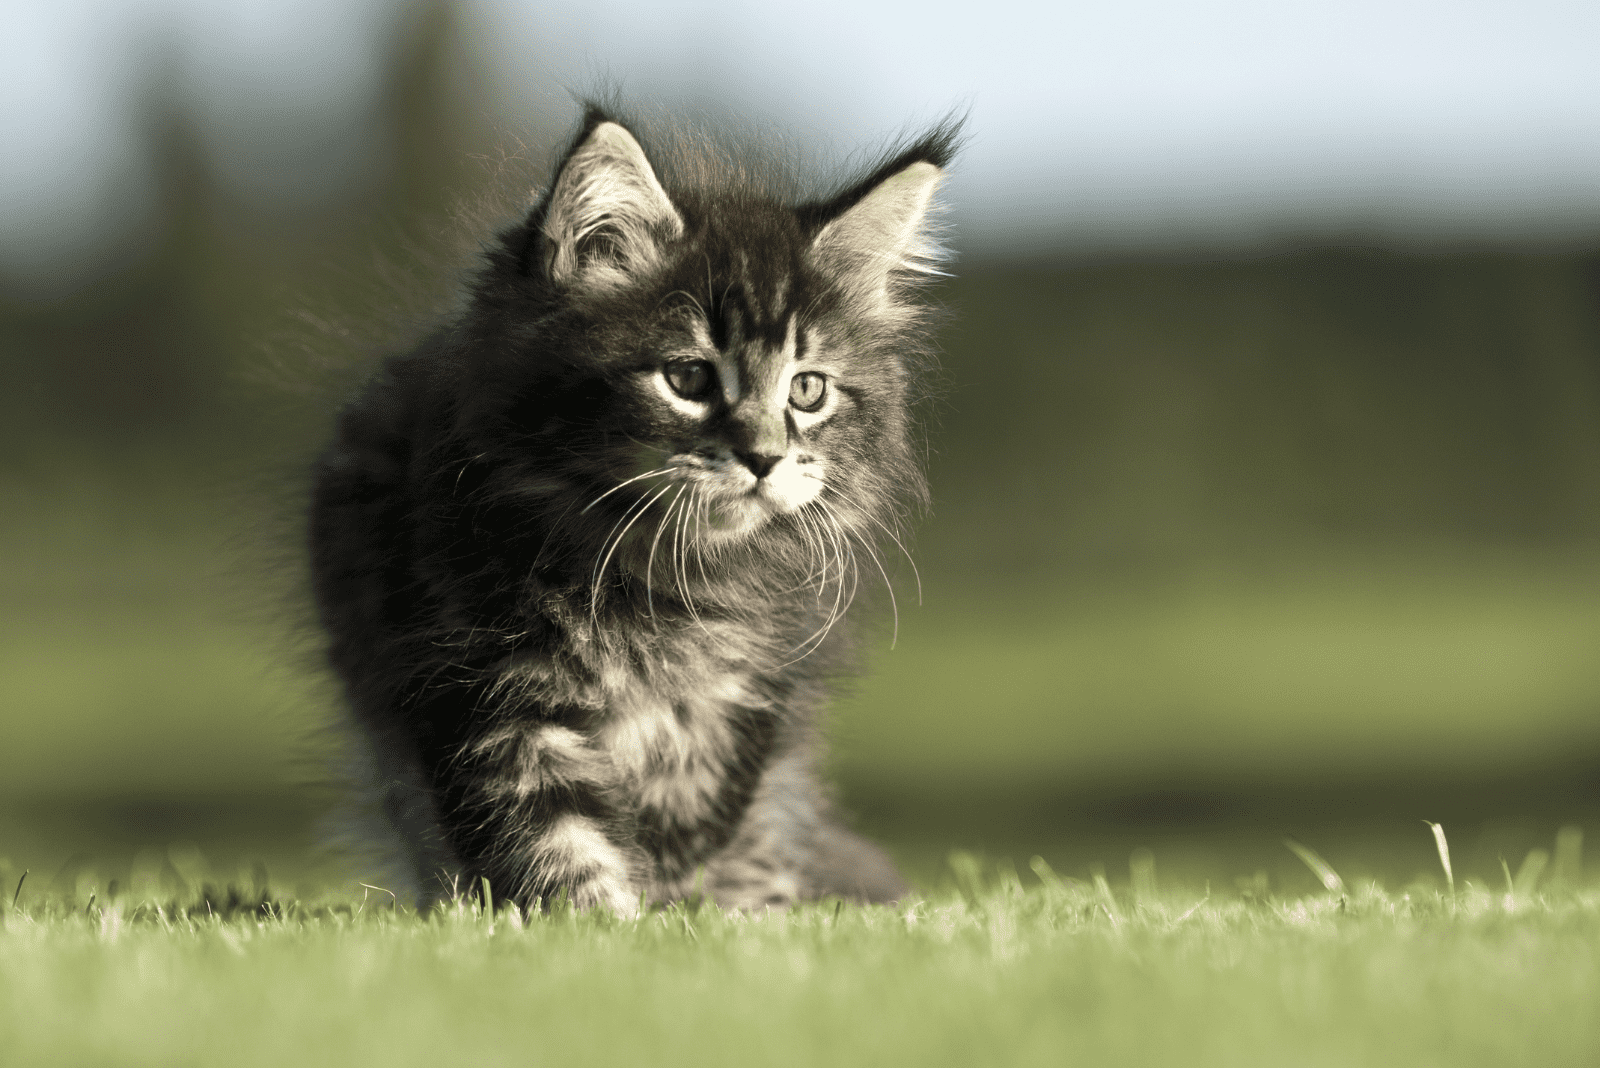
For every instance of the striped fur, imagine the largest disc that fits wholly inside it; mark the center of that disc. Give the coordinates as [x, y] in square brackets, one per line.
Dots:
[584, 555]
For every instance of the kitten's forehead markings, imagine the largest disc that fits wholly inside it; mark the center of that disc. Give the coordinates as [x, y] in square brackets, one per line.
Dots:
[813, 352]
[784, 364]
[728, 375]
[770, 371]
[727, 359]
[791, 340]
[702, 334]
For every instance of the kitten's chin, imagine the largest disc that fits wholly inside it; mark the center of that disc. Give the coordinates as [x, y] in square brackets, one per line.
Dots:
[732, 518]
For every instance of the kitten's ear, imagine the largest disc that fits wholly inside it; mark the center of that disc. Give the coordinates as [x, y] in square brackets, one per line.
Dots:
[608, 215]
[884, 234]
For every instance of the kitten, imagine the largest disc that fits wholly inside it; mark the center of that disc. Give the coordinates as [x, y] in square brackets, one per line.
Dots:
[582, 556]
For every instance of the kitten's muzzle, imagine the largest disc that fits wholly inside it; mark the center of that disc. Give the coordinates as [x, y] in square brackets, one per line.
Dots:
[759, 463]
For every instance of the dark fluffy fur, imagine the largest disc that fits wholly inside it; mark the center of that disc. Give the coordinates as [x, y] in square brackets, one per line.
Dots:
[558, 707]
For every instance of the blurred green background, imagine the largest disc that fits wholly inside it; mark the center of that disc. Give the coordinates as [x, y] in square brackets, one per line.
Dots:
[1232, 540]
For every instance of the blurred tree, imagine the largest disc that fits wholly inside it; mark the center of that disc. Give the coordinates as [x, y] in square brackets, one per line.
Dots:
[144, 358]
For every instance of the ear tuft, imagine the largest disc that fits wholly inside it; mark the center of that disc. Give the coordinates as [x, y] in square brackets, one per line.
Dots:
[885, 235]
[608, 215]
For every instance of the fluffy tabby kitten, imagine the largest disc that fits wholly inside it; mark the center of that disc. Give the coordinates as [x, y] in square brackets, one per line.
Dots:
[582, 555]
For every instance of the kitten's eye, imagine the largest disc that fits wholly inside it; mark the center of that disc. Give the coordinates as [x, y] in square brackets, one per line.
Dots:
[691, 379]
[807, 391]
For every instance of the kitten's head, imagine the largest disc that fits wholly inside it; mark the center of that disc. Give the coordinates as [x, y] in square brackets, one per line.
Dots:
[675, 359]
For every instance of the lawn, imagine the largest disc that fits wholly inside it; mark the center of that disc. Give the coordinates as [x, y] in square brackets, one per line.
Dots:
[984, 968]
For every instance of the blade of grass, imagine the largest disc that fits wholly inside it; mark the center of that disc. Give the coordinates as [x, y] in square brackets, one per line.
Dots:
[1444, 854]
[1046, 874]
[393, 901]
[1103, 889]
[1319, 867]
[1142, 872]
[1529, 871]
[968, 872]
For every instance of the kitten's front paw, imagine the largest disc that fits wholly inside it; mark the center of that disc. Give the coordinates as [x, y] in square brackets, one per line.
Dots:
[575, 852]
[622, 901]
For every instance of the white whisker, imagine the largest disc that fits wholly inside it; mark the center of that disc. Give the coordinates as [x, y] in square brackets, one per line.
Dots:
[692, 299]
[627, 482]
[903, 550]
[840, 606]
[594, 579]
[699, 539]
[649, 564]
[855, 570]
[823, 568]
[802, 525]
[680, 551]
[616, 543]
[893, 604]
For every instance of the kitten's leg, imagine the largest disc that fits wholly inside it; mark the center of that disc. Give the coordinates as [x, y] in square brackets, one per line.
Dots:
[763, 866]
[788, 849]
[408, 810]
[528, 804]
[844, 864]
[519, 796]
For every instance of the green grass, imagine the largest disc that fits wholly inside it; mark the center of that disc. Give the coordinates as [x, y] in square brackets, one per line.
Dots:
[988, 968]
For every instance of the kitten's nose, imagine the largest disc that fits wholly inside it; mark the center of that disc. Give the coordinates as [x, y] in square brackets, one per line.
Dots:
[759, 463]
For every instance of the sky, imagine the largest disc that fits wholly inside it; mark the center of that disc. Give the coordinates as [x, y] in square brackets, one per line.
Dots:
[1146, 123]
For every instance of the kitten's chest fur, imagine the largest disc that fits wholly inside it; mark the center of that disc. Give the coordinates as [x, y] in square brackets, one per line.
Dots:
[667, 749]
